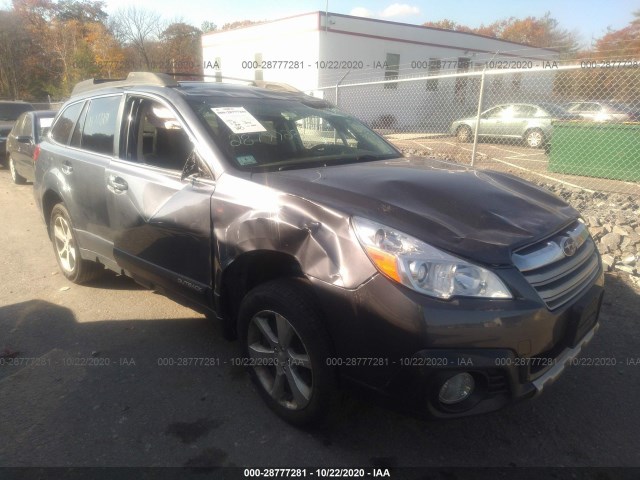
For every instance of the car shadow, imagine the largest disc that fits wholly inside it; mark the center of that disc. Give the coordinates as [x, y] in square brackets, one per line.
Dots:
[113, 281]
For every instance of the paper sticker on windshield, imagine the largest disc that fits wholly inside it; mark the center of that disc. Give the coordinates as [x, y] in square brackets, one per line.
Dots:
[246, 160]
[239, 120]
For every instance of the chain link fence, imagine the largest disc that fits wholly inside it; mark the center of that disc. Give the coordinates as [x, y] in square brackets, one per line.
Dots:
[577, 125]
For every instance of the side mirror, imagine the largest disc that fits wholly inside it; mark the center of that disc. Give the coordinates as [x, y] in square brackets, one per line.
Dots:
[28, 139]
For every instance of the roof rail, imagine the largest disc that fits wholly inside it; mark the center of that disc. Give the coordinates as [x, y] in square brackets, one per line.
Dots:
[134, 78]
[276, 86]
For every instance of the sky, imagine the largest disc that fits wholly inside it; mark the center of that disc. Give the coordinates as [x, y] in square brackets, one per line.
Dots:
[590, 18]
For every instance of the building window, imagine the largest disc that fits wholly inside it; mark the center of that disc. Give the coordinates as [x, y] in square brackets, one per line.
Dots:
[218, 73]
[257, 72]
[516, 82]
[496, 84]
[461, 82]
[393, 69]
[434, 69]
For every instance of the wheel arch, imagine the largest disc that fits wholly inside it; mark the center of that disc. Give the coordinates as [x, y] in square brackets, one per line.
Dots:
[49, 200]
[246, 272]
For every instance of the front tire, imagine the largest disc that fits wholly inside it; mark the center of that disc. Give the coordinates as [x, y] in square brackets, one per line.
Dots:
[15, 176]
[67, 250]
[286, 347]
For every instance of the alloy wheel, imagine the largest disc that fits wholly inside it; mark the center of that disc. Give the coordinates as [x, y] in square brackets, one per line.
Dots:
[280, 360]
[65, 245]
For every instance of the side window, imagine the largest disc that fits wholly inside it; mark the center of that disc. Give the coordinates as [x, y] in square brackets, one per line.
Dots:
[495, 113]
[17, 127]
[27, 129]
[76, 137]
[155, 136]
[61, 131]
[524, 111]
[43, 126]
[100, 125]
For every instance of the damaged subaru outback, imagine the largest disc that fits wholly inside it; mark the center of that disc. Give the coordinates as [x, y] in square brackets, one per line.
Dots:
[334, 259]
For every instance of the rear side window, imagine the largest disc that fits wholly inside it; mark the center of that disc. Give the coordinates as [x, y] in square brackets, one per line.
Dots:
[17, 127]
[100, 125]
[64, 125]
[26, 126]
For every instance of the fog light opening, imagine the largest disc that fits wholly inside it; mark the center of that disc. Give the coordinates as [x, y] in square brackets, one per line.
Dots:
[457, 389]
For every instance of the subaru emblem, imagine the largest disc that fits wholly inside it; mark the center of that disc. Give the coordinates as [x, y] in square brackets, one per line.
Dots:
[568, 246]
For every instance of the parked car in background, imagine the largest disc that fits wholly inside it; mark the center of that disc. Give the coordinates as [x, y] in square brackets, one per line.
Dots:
[335, 260]
[22, 142]
[9, 113]
[605, 111]
[526, 121]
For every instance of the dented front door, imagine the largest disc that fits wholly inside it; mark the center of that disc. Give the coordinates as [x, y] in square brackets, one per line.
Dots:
[162, 228]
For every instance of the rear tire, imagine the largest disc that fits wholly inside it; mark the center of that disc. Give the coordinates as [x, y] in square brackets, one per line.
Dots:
[67, 250]
[286, 347]
[15, 176]
[534, 138]
[463, 134]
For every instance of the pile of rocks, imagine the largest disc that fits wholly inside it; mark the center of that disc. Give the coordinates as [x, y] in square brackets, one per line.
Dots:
[614, 223]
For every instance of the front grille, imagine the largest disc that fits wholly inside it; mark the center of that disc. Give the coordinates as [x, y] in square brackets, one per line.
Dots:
[561, 267]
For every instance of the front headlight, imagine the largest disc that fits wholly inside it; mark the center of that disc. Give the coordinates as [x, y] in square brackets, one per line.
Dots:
[422, 267]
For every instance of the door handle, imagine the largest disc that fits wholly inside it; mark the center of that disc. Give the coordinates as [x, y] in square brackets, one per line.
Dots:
[117, 184]
[67, 168]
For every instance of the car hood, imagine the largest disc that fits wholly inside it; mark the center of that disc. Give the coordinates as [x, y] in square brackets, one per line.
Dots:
[480, 215]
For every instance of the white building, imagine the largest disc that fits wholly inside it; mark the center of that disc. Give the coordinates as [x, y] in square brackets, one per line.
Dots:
[311, 53]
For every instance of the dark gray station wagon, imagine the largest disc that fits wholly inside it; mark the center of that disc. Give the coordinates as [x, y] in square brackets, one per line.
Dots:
[335, 260]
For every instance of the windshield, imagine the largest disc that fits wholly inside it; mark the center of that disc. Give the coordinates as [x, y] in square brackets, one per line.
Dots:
[279, 134]
[9, 112]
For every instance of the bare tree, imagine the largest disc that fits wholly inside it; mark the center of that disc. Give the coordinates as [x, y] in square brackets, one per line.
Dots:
[138, 28]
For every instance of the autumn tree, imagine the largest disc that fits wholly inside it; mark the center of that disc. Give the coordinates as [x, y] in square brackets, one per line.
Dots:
[182, 45]
[60, 43]
[15, 44]
[447, 24]
[239, 24]
[621, 44]
[542, 32]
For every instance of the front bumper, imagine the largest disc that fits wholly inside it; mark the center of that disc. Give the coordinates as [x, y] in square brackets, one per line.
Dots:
[404, 345]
